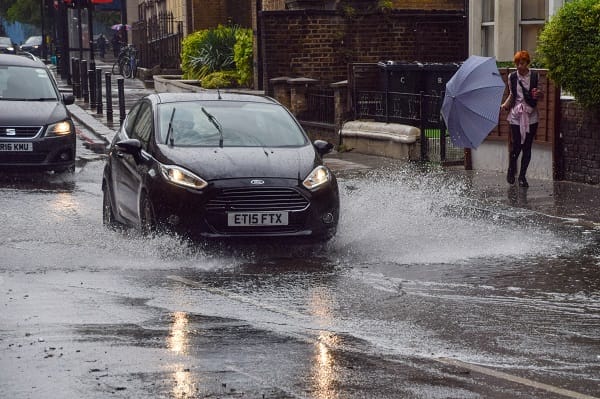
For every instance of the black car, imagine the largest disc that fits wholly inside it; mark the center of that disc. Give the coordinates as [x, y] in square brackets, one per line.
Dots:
[218, 165]
[7, 46]
[33, 45]
[36, 130]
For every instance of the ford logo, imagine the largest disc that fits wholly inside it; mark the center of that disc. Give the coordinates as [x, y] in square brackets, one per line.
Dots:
[257, 181]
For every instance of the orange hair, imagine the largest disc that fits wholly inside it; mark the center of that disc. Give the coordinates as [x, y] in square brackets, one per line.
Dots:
[522, 55]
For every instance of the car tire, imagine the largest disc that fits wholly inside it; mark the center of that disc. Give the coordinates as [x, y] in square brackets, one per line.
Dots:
[148, 223]
[108, 214]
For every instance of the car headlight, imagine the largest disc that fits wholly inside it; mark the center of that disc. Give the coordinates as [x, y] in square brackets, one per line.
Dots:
[319, 176]
[59, 129]
[182, 177]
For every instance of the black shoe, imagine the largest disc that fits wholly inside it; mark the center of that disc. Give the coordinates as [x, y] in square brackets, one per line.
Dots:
[523, 182]
[510, 178]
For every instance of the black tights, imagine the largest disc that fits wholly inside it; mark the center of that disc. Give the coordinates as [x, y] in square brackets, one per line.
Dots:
[517, 147]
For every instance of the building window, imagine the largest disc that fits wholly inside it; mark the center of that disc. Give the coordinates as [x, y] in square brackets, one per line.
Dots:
[487, 28]
[532, 17]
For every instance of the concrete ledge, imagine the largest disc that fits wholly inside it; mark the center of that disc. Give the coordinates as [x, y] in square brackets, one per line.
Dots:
[391, 140]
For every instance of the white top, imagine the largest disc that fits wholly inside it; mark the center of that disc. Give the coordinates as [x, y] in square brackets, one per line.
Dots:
[513, 116]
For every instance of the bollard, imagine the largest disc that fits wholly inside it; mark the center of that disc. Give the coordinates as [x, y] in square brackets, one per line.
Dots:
[76, 81]
[109, 110]
[121, 93]
[84, 81]
[92, 78]
[99, 91]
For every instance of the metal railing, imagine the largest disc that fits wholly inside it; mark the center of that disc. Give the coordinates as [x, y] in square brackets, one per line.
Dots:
[320, 106]
[419, 110]
[158, 41]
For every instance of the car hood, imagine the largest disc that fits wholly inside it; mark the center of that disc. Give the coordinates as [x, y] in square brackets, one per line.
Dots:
[240, 162]
[31, 113]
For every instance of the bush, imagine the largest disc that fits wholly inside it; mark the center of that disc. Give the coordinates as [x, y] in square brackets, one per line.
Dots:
[242, 55]
[225, 48]
[208, 51]
[189, 49]
[220, 79]
[569, 47]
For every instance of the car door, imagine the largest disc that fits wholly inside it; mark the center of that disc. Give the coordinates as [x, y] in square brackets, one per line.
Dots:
[133, 171]
[122, 189]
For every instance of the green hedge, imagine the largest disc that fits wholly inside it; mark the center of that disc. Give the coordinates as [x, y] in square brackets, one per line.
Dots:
[222, 49]
[569, 47]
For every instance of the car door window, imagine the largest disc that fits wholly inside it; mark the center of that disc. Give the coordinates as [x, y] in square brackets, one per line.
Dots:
[142, 128]
[129, 121]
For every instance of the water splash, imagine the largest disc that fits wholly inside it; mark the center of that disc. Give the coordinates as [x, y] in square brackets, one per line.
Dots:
[411, 216]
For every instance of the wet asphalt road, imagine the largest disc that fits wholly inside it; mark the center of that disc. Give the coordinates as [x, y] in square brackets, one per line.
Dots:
[426, 292]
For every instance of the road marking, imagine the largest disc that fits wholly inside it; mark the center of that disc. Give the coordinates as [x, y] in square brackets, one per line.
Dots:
[514, 378]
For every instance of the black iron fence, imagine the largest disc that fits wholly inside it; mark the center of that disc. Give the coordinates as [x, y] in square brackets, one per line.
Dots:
[320, 106]
[419, 110]
[158, 40]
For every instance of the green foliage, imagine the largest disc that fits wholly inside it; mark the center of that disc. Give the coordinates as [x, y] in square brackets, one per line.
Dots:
[225, 48]
[220, 79]
[385, 5]
[242, 56]
[208, 51]
[189, 48]
[569, 46]
[25, 11]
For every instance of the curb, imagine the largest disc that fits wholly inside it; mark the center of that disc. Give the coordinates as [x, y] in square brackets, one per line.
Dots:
[102, 134]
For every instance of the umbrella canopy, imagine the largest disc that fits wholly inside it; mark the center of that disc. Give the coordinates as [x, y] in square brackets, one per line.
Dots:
[120, 26]
[471, 105]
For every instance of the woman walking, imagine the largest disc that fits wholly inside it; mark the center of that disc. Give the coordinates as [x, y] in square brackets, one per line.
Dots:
[521, 105]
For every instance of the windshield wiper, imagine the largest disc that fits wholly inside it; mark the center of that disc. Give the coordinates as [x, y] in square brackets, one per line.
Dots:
[214, 121]
[170, 129]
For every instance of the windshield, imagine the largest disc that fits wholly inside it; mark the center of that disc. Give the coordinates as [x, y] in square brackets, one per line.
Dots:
[234, 123]
[5, 41]
[34, 40]
[25, 83]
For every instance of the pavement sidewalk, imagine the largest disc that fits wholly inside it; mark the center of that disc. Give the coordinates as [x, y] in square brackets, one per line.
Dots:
[565, 202]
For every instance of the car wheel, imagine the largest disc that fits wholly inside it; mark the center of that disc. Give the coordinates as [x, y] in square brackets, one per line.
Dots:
[108, 214]
[148, 216]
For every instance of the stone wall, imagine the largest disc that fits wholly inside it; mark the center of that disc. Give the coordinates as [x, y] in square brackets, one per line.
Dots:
[320, 44]
[580, 131]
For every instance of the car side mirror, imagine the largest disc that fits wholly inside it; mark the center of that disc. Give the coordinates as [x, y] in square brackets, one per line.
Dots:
[68, 99]
[322, 147]
[130, 146]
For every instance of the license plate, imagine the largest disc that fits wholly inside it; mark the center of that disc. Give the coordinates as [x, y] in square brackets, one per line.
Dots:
[16, 147]
[257, 219]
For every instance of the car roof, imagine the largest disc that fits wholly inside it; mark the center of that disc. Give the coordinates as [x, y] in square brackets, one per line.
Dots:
[209, 95]
[21, 60]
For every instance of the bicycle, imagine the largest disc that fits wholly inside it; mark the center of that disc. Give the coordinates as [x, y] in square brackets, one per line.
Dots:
[126, 63]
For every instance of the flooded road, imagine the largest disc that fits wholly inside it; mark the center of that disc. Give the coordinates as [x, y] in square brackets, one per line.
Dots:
[428, 291]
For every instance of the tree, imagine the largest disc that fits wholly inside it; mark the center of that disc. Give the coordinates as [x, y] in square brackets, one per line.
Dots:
[569, 47]
[25, 11]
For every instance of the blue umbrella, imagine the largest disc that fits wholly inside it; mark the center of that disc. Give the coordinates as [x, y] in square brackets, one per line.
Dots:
[471, 105]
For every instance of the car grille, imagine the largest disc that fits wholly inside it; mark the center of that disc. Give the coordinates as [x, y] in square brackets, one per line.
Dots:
[22, 157]
[19, 131]
[257, 199]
